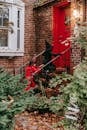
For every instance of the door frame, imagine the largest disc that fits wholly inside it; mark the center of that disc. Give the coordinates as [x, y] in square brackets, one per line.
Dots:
[55, 20]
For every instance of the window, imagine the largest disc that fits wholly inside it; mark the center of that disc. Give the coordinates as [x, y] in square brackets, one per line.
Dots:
[4, 18]
[18, 29]
[12, 28]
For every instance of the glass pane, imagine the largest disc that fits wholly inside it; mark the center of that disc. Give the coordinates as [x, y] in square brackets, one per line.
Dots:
[5, 21]
[0, 11]
[18, 19]
[5, 17]
[0, 17]
[18, 14]
[0, 21]
[18, 39]
[3, 38]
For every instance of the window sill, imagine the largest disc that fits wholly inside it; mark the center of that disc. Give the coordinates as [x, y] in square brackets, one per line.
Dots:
[11, 53]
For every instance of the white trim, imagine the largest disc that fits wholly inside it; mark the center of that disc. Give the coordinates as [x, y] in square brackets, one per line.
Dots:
[12, 50]
[22, 29]
[11, 54]
[15, 2]
[5, 28]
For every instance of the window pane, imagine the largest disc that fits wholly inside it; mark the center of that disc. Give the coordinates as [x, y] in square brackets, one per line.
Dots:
[0, 11]
[3, 38]
[5, 17]
[0, 21]
[18, 39]
[0, 17]
[18, 19]
[5, 21]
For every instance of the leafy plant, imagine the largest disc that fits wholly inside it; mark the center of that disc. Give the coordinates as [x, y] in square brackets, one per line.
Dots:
[43, 104]
[14, 100]
[81, 38]
[56, 105]
[77, 90]
[11, 90]
[60, 80]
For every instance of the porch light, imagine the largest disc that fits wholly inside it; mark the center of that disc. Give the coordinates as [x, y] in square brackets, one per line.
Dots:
[76, 13]
[77, 10]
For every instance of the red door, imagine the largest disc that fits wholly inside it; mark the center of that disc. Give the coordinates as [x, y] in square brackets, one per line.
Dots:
[61, 31]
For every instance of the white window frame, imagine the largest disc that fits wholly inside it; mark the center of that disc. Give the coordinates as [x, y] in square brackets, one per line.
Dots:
[4, 27]
[14, 6]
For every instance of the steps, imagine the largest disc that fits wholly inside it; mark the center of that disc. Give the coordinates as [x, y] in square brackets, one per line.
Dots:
[60, 70]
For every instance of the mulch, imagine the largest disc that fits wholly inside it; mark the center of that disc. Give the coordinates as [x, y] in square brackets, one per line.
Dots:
[37, 121]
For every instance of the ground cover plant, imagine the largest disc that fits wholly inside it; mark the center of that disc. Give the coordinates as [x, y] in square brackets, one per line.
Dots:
[14, 100]
[74, 99]
[70, 103]
[74, 95]
[11, 90]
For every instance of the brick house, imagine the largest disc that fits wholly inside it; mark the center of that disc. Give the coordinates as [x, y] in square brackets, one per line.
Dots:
[30, 23]
[18, 45]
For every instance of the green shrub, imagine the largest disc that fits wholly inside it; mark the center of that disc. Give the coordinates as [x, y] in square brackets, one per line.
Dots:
[11, 91]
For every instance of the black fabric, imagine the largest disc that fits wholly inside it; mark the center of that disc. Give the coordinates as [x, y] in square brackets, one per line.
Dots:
[48, 57]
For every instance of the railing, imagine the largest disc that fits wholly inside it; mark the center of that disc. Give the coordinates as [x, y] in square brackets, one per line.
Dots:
[21, 69]
[43, 66]
[63, 52]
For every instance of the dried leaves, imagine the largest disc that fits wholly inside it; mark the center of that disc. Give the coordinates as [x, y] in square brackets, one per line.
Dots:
[36, 121]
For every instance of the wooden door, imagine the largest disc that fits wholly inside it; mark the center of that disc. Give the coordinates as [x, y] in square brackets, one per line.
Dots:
[61, 31]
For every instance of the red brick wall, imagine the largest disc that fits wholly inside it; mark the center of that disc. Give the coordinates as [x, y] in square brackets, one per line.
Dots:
[13, 64]
[35, 36]
[43, 22]
[78, 53]
[43, 26]
[86, 9]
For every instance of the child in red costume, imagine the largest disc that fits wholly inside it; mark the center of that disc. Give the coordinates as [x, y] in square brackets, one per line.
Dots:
[30, 71]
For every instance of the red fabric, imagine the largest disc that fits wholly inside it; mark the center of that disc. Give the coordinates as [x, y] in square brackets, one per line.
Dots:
[29, 71]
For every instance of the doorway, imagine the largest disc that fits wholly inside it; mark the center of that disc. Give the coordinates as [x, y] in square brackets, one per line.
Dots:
[61, 32]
